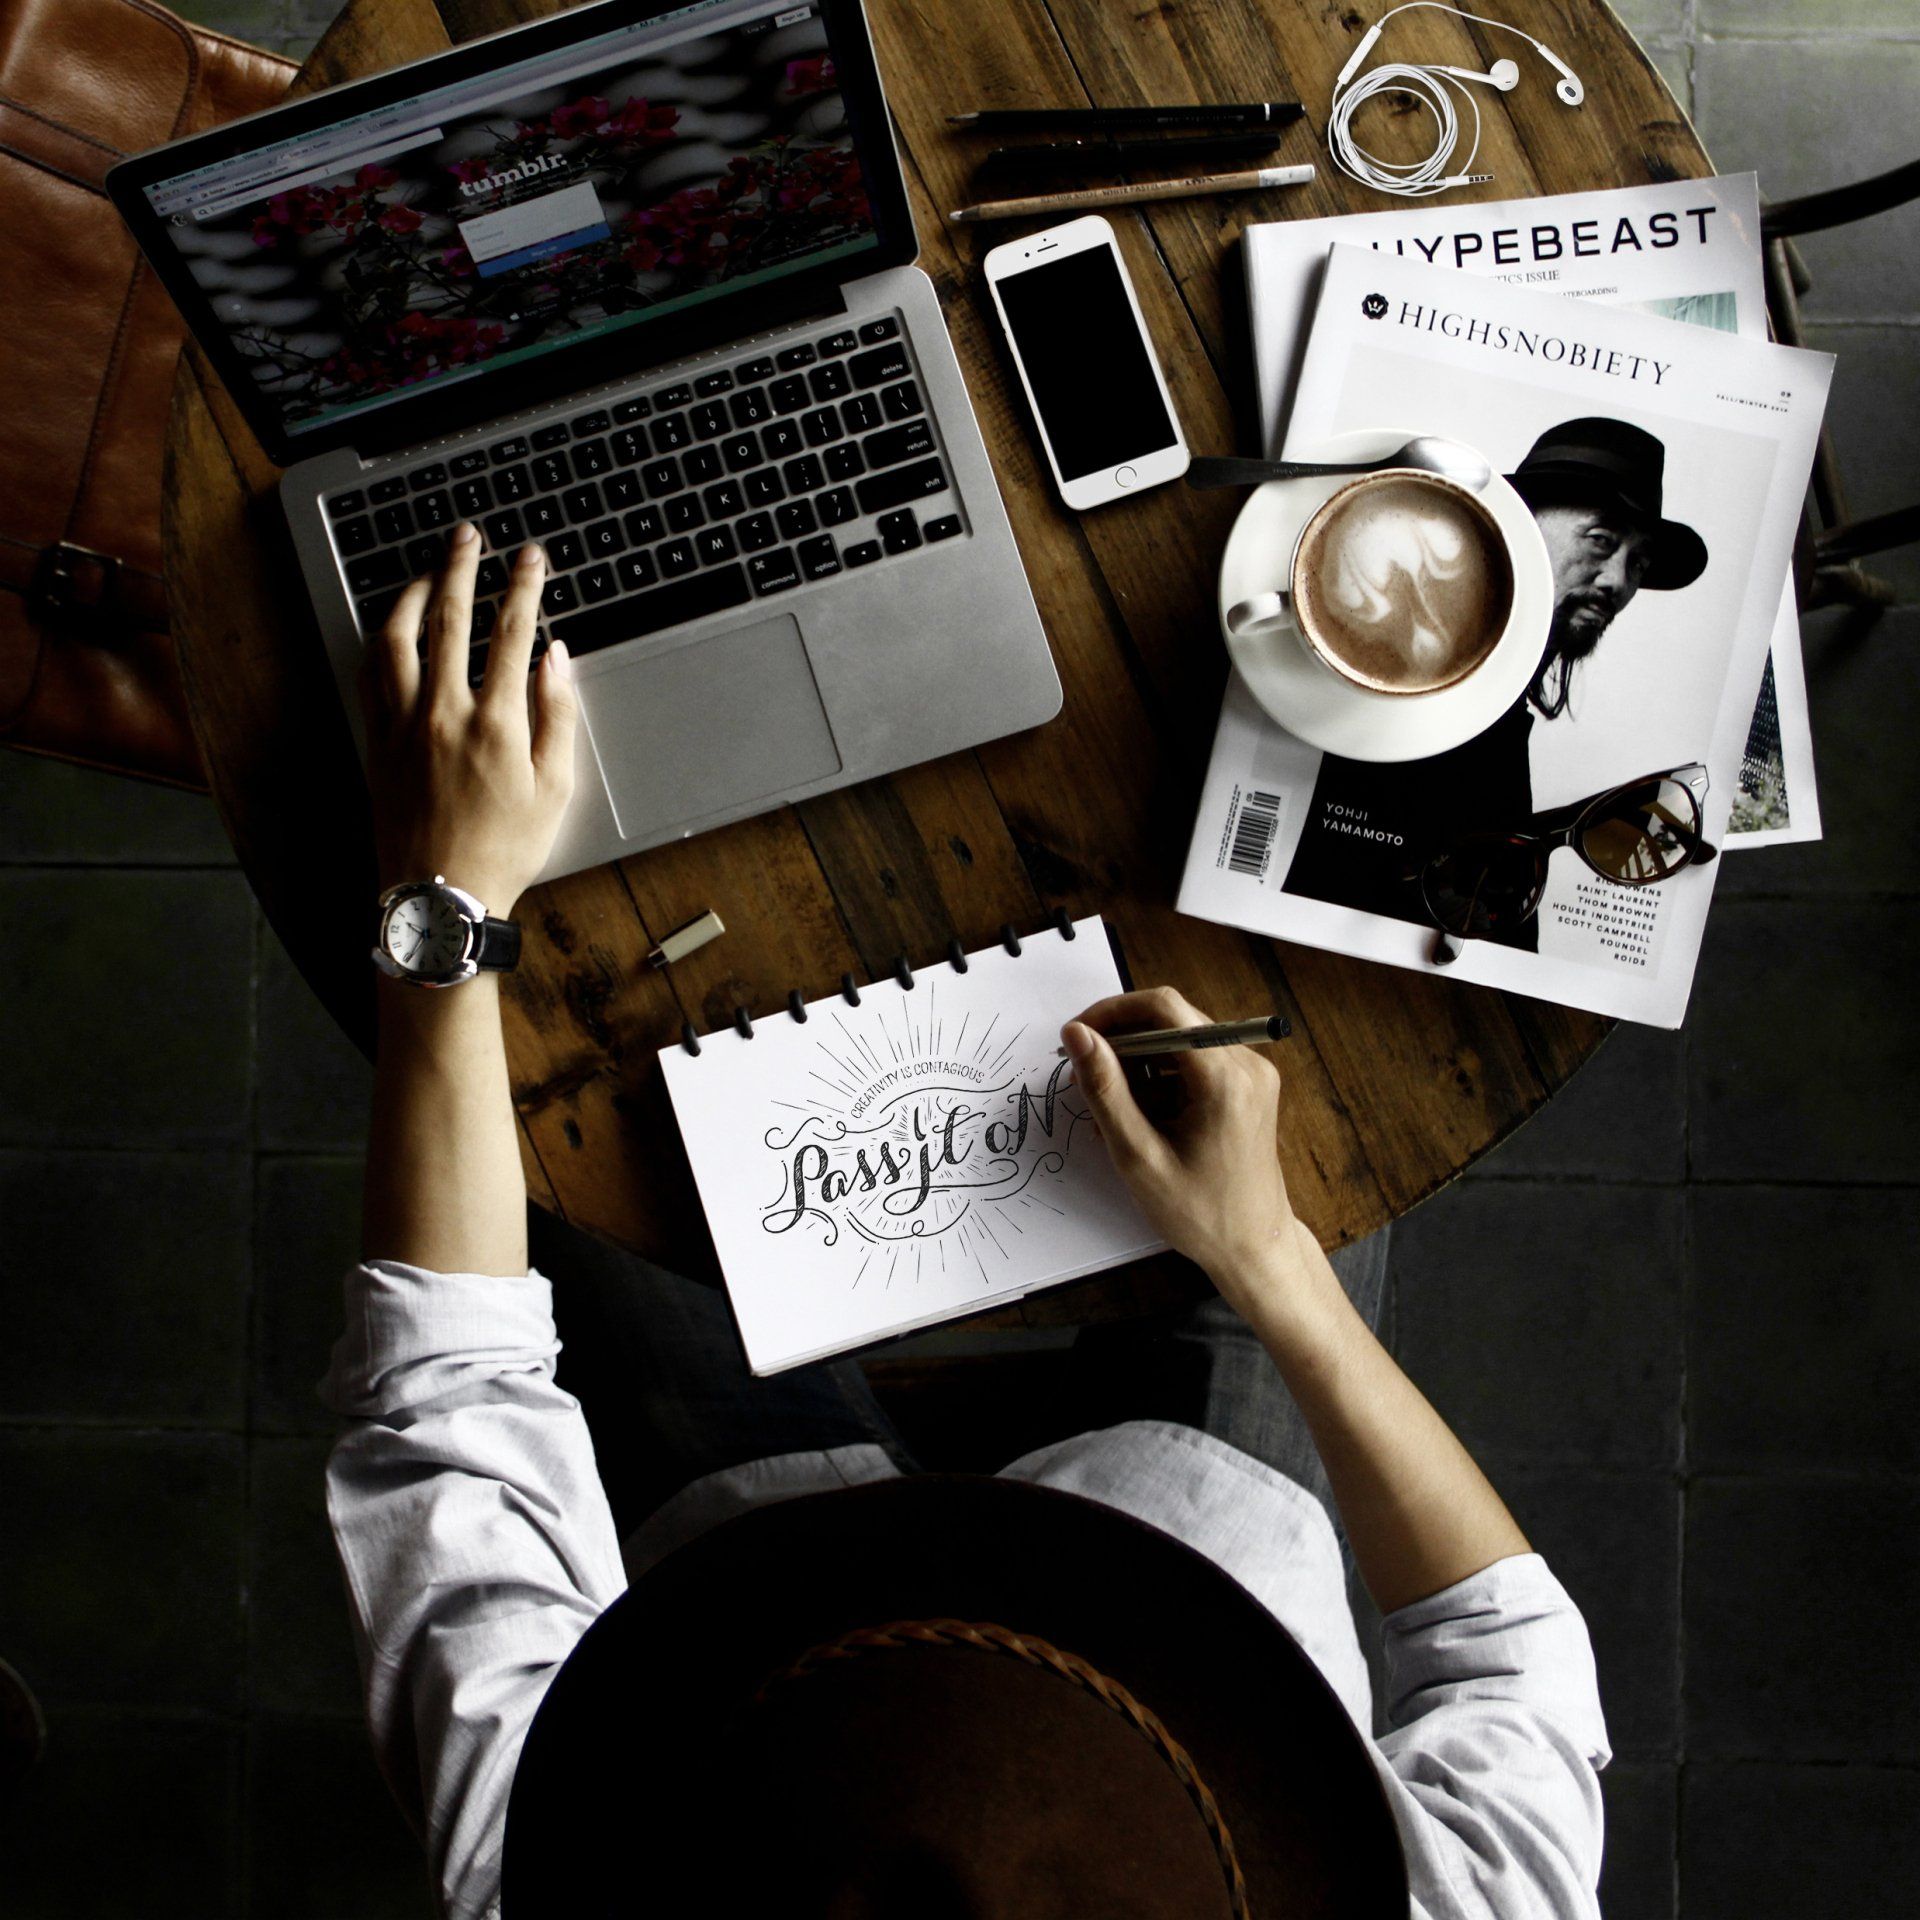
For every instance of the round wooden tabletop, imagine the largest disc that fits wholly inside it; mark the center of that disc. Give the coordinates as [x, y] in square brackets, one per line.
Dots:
[1396, 1080]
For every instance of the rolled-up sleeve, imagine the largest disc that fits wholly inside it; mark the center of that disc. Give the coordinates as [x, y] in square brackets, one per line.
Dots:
[1494, 1745]
[475, 1538]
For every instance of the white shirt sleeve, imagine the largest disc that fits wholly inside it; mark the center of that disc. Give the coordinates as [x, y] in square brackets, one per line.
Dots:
[475, 1536]
[1494, 1747]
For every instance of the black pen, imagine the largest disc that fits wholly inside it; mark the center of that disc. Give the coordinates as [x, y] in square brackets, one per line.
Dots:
[1256, 113]
[1223, 1033]
[1059, 156]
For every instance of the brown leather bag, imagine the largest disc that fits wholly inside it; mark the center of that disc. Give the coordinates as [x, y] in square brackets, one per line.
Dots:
[87, 670]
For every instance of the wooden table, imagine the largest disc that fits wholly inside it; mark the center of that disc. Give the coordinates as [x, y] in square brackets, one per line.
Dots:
[1396, 1080]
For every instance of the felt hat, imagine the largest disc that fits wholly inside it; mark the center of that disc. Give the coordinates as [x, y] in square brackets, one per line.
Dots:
[1600, 459]
[945, 1697]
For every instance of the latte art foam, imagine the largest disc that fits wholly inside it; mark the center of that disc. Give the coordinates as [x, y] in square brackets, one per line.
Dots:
[1402, 584]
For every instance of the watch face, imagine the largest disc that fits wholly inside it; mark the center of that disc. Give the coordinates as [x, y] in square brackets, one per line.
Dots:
[426, 933]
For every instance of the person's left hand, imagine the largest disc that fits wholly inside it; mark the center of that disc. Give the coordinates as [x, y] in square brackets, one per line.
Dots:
[463, 783]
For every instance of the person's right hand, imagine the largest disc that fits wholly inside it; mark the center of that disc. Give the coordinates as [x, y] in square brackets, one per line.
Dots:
[1209, 1180]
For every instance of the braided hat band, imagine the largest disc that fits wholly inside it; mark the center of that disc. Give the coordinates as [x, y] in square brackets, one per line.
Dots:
[986, 1637]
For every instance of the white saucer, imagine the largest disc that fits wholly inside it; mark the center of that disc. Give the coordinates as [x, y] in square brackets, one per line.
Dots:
[1315, 703]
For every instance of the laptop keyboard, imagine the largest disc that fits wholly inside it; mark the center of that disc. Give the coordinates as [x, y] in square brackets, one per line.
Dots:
[687, 499]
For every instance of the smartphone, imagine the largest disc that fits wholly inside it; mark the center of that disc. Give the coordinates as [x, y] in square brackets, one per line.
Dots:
[1071, 319]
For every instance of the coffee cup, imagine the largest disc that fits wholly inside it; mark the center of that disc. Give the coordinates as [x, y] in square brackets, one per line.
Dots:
[1400, 583]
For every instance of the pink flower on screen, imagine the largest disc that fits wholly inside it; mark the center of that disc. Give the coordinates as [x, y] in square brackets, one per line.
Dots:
[579, 117]
[372, 179]
[816, 75]
[399, 219]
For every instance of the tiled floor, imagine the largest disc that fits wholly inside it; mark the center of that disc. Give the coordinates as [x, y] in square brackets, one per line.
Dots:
[1674, 1315]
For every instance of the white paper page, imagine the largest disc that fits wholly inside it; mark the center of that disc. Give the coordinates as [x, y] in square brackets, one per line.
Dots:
[922, 1155]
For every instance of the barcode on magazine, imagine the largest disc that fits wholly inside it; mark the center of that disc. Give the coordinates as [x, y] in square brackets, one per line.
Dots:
[1250, 843]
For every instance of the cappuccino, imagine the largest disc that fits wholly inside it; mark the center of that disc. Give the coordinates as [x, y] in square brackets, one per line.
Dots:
[1402, 582]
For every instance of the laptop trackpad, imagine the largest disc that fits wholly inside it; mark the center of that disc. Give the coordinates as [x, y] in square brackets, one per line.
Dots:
[723, 720]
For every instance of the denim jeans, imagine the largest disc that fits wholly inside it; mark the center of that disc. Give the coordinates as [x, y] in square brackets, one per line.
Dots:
[658, 1369]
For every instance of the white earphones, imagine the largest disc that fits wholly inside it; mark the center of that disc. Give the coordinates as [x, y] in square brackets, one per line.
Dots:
[1434, 87]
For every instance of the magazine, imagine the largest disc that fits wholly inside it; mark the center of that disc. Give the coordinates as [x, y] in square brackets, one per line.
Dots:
[1312, 847]
[1687, 249]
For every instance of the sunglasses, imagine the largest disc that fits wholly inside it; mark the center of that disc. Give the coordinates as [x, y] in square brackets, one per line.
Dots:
[1634, 835]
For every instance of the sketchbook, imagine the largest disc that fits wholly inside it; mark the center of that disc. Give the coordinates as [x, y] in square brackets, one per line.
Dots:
[905, 1152]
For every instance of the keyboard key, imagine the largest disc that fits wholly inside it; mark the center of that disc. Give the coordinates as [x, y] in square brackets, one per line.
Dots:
[750, 408]
[423, 477]
[629, 447]
[713, 546]
[789, 395]
[486, 616]
[559, 596]
[818, 557]
[843, 462]
[711, 383]
[901, 402]
[393, 487]
[597, 583]
[374, 612]
[511, 484]
[942, 529]
[628, 411]
[876, 330]
[796, 519]
[741, 452]
[684, 513]
[724, 501]
[424, 556]
[677, 559]
[899, 532]
[805, 474]
[354, 536]
[774, 572]
[749, 371]
[393, 523]
[662, 476]
[862, 413]
[596, 422]
[472, 498]
[667, 606]
[623, 490]
[463, 466]
[671, 433]
[701, 465]
[343, 504]
[553, 436]
[829, 382]
[583, 504]
[643, 526]
[756, 533]
[510, 450]
[565, 551]
[882, 363]
[897, 485]
[709, 420]
[677, 396]
[820, 426]
[504, 531]
[782, 439]
[372, 571]
[842, 342]
[551, 472]
[544, 517]
[635, 571]
[604, 540]
[864, 555]
[790, 357]
[492, 577]
[477, 664]
[836, 508]
[591, 458]
[764, 488]
[889, 448]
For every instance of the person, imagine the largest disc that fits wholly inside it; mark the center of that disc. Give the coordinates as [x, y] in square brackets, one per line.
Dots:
[757, 1652]
[1595, 487]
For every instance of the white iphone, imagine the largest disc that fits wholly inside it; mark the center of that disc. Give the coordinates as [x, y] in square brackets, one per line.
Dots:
[1070, 316]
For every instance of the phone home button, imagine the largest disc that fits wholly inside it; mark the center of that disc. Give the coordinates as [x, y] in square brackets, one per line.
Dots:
[1124, 476]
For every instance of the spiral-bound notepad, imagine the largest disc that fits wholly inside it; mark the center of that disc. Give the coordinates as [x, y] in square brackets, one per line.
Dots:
[894, 1154]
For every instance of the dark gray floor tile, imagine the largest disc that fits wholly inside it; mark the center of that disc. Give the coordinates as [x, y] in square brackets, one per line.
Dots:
[1623, 1116]
[1786, 1843]
[1821, 114]
[300, 1642]
[1614, 1541]
[262, 22]
[1544, 1321]
[1804, 1042]
[315, 1085]
[1864, 699]
[127, 1818]
[1637, 1873]
[1798, 1599]
[306, 1233]
[129, 1008]
[1803, 1347]
[302, 24]
[129, 1295]
[1804, 19]
[1652, 19]
[326, 1839]
[54, 812]
[123, 1567]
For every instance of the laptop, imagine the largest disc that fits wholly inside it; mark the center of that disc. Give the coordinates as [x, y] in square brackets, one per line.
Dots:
[635, 281]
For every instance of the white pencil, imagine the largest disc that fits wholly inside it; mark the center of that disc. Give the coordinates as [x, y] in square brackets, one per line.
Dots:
[1127, 196]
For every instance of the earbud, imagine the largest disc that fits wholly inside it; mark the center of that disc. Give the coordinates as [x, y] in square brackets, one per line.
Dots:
[1504, 74]
[1568, 88]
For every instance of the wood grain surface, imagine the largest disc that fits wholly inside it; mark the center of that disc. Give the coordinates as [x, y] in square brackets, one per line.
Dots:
[1395, 1080]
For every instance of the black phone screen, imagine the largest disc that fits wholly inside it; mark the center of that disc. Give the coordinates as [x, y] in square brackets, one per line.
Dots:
[1087, 362]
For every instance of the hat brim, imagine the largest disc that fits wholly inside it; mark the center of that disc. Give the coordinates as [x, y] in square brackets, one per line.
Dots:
[1679, 555]
[621, 1757]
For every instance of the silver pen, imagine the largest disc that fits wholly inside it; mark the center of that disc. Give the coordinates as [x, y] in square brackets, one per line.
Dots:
[1223, 1033]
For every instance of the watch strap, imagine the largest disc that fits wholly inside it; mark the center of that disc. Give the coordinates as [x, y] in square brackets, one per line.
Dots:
[496, 947]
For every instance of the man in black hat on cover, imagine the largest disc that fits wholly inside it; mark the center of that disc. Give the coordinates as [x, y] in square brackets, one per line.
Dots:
[724, 1651]
[1595, 487]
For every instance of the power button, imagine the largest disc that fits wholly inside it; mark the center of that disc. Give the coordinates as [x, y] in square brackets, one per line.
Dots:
[1124, 476]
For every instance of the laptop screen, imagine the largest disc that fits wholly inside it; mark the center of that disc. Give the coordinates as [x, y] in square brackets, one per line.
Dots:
[549, 202]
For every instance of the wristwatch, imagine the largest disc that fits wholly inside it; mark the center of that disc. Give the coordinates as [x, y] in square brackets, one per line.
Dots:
[434, 935]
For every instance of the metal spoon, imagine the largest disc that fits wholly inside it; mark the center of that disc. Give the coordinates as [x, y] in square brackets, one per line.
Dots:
[1447, 458]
